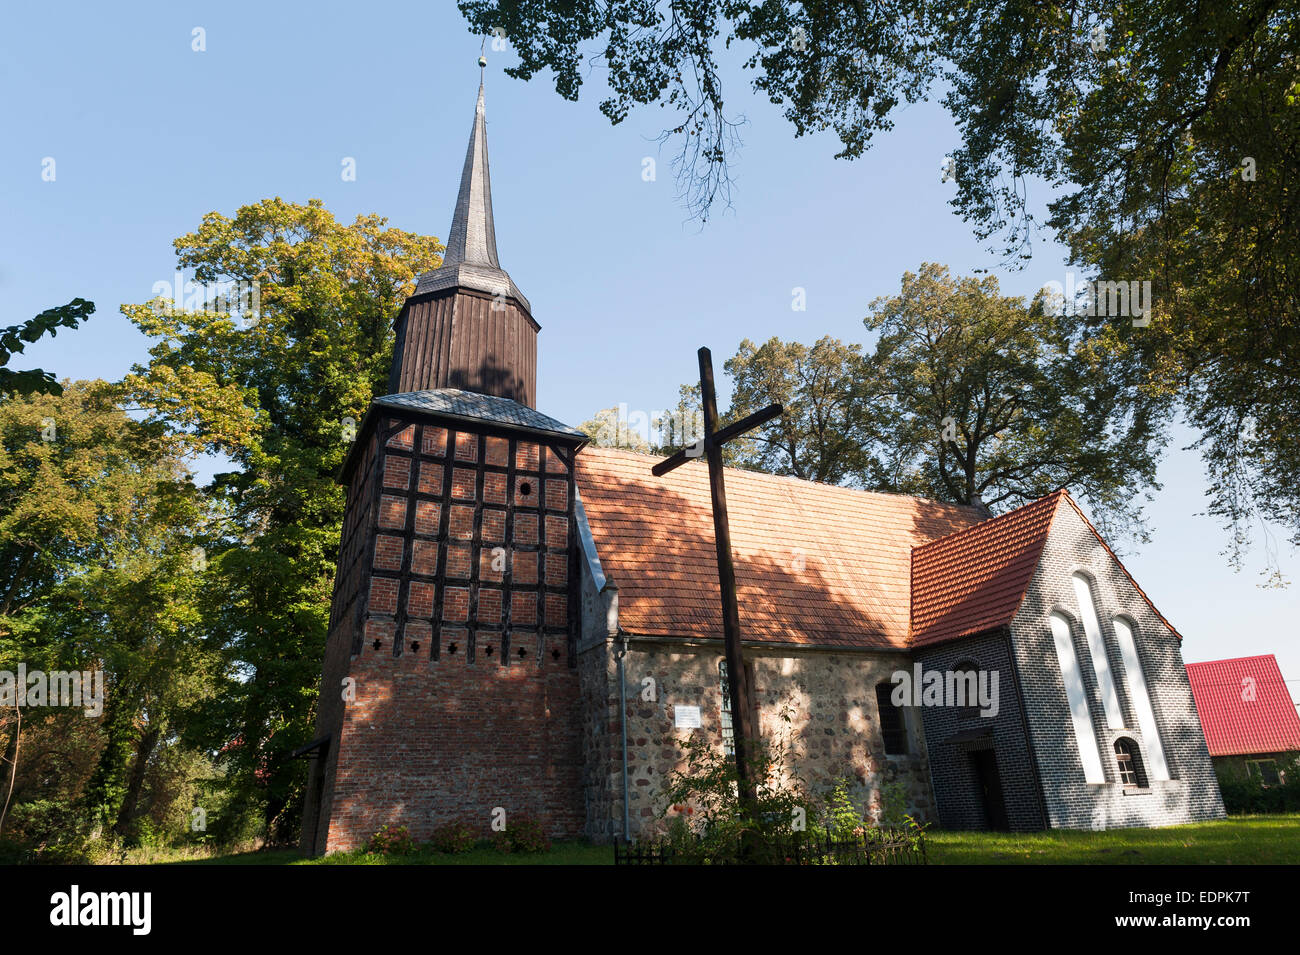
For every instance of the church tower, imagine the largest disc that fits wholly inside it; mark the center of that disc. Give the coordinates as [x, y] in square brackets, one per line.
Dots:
[449, 690]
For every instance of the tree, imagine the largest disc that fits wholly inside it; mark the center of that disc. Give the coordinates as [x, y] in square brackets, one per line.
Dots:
[97, 522]
[610, 428]
[987, 400]
[278, 392]
[824, 432]
[1164, 137]
[16, 337]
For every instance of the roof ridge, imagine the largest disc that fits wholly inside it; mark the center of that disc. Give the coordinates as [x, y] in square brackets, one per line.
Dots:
[997, 517]
[793, 479]
[1252, 656]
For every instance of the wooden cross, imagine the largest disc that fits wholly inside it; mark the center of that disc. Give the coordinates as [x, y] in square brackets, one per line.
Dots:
[742, 720]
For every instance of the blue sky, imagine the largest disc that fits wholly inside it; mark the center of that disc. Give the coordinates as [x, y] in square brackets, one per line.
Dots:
[148, 135]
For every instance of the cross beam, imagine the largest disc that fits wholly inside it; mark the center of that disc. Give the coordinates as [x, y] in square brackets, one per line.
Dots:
[742, 710]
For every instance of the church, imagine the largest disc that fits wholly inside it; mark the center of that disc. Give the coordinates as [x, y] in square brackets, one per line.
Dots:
[525, 623]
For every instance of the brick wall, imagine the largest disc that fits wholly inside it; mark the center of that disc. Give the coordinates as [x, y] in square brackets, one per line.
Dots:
[948, 732]
[461, 654]
[1193, 792]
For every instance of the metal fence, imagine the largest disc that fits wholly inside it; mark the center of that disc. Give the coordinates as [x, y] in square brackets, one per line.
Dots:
[878, 847]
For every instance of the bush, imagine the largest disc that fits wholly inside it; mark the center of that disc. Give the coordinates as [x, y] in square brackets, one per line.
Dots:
[522, 834]
[389, 841]
[454, 838]
[1244, 793]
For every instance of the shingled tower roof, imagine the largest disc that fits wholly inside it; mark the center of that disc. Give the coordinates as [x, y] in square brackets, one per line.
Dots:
[467, 326]
[470, 260]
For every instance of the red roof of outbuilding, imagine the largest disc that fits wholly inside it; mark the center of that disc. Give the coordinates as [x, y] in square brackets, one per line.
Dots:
[1244, 706]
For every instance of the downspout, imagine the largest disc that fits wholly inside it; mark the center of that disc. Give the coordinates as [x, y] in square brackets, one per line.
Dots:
[619, 654]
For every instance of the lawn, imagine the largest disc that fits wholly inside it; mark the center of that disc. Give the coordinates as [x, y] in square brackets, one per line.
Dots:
[1241, 840]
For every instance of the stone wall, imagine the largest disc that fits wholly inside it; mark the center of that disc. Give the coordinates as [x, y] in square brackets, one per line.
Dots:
[833, 728]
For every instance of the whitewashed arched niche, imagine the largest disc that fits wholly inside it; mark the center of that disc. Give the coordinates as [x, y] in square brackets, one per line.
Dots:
[1083, 592]
[1153, 750]
[1084, 735]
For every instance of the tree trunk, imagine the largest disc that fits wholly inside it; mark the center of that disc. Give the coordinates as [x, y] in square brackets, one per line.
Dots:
[135, 782]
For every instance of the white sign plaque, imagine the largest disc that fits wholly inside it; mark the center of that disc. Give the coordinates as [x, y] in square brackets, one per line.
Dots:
[686, 717]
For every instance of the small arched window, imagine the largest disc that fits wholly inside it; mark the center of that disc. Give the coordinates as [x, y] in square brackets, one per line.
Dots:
[893, 728]
[1131, 772]
[965, 689]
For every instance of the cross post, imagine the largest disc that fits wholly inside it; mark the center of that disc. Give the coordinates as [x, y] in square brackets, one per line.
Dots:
[742, 710]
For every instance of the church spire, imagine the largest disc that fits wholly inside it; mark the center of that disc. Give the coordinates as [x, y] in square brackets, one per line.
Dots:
[467, 326]
[470, 260]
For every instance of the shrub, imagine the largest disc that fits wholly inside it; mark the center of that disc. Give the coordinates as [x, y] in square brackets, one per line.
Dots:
[840, 816]
[521, 834]
[453, 837]
[391, 841]
[1244, 793]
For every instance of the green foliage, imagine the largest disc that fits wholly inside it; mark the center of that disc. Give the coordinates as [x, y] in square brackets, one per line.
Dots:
[454, 838]
[522, 833]
[841, 817]
[824, 432]
[391, 841]
[98, 518]
[893, 805]
[16, 337]
[608, 430]
[274, 393]
[989, 399]
[1245, 793]
[708, 822]
[968, 396]
[1162, 138]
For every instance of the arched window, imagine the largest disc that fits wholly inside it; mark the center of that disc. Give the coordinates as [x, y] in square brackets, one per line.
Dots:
[892, 726]
[1089, 748]
[1097, 650]
[728, 731]
[1141, 697]
[965, 689]
[1131, 772]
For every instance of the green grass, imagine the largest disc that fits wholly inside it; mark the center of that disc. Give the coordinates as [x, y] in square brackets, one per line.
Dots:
[561, 853]
[1242, 840]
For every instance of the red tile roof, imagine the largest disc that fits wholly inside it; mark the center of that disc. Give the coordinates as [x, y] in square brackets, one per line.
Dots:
[815, 564]
[975, 580]
[1236, 725]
